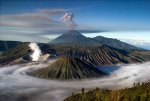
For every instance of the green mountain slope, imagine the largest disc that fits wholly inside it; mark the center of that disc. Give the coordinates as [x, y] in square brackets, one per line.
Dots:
[136, 93]
[68, 68]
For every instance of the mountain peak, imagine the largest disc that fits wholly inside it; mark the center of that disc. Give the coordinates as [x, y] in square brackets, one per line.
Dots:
[73, 37]
[73, 32]
[69, 37]
[69, 68]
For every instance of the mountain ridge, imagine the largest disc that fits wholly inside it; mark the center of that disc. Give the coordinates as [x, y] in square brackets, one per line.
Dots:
[103, 55]
[73, 37]
[115, 43]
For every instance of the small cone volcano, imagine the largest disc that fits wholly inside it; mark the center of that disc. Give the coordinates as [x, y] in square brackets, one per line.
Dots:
[68, 68]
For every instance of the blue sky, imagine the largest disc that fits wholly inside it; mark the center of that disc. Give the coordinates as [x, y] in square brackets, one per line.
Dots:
[128, 19]
[98, 14]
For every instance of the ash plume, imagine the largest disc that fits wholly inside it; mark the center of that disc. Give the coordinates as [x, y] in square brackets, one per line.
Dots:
[36, 51]
[68, 19]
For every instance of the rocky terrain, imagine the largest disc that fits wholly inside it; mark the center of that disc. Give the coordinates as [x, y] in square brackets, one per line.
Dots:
[68, 68]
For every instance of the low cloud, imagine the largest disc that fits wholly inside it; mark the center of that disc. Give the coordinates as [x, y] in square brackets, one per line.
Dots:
[15, 84]
[139, 43]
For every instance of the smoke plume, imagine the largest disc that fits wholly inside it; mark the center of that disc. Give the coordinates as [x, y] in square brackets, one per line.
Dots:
[36, 51]
[68, 19]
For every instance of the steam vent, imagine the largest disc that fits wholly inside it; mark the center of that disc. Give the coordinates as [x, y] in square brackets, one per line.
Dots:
[68, 68]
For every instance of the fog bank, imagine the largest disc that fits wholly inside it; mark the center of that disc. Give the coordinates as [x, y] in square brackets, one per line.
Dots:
[15, 85]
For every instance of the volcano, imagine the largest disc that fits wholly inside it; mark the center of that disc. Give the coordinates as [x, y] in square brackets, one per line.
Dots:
[68, 68]
[75, 38]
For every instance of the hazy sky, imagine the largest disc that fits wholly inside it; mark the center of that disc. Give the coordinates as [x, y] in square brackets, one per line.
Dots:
[26, 18]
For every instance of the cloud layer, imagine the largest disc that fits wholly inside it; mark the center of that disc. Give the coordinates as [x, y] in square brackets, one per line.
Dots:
[15, 84]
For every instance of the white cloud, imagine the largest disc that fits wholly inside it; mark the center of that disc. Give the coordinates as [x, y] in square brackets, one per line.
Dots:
[15, 82]
[139, 43]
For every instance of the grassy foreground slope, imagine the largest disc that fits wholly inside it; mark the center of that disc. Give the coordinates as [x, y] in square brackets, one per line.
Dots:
[136, 93]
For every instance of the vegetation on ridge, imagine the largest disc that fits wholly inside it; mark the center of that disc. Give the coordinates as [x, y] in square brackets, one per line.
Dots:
[136, 93]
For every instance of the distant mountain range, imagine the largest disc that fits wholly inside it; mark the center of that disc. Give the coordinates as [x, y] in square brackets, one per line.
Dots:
[98, 55]
[68, 68]
[98, 50]
[74, 38]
